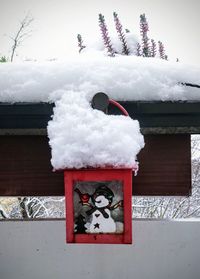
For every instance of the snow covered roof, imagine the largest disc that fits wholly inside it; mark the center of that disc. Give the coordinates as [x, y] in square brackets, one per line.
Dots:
[121, 78]
[79, 135]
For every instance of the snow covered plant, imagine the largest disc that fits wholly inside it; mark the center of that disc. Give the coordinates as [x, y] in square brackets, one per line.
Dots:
[119, 28]
[106, 39]
[144, 28]
[3, 59]
[161, 50]
[126, 42]
[80, 43]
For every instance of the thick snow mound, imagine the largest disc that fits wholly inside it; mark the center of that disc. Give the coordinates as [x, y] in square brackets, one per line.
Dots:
[84, 137]
[121, 77]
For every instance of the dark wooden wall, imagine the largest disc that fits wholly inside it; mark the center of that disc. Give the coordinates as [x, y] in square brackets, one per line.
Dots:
[165, 166]
[25, 169]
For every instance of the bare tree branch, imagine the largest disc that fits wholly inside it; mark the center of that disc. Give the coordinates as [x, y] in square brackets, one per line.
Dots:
[21, 34]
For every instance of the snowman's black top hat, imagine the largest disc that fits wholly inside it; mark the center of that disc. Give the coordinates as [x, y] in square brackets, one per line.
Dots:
[104, 191]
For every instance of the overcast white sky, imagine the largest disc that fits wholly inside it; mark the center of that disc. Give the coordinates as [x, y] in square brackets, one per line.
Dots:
[57, 22]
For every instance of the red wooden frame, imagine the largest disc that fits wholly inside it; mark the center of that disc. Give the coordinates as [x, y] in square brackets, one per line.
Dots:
[124, 175]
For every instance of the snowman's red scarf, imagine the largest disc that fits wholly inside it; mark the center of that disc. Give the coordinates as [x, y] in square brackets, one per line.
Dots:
[102, 210]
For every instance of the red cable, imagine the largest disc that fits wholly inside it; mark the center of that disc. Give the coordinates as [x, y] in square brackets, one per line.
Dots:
[119, 106]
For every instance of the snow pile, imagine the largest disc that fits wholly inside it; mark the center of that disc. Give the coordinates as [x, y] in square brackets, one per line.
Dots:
[121, 77]
[84, 137]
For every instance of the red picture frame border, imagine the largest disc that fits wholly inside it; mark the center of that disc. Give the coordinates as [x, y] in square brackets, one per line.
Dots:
[124, 175]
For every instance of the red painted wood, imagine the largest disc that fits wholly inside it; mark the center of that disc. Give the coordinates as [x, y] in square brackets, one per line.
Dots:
[128, 207]
[100, 238]
[124, 175]
[69, 207]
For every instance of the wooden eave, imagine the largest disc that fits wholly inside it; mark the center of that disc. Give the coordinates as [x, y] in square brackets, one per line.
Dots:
[154, 117]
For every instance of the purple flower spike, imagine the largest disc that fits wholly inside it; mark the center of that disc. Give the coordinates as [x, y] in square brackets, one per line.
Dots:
[106, 39]
[121, 34]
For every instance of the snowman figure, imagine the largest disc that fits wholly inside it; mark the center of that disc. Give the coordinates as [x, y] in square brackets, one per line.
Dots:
[101, 219]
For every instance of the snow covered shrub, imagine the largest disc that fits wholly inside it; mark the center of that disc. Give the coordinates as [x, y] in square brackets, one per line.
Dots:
[126, 43]
[3, 59]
